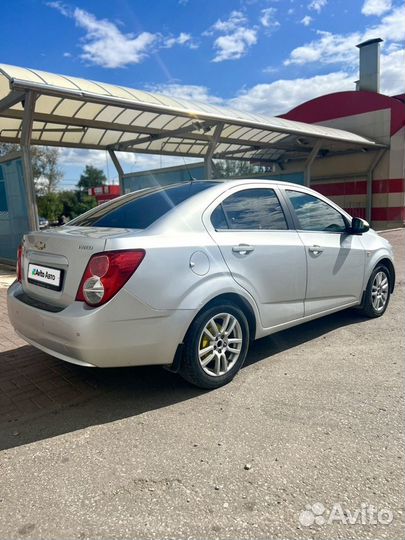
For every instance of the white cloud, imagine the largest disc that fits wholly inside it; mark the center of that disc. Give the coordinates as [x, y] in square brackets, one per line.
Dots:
[235, 39]
[306, 21]
[131, 162]
[77, 157]
[376, 7]
[182, 39]
[234, 46]
[105, 45]
[390, 28]
[186, 91]
[236, 19]
[59, 6]
[268, 18]
[317, 5]
[332, 48]
[280, 96]
[327, 49]
[392, 71]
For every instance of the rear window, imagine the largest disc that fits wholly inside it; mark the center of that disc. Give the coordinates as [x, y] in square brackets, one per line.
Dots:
[250, 209]
[140, 209]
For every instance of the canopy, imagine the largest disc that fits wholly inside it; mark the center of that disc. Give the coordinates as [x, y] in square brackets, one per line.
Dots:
[72, 112]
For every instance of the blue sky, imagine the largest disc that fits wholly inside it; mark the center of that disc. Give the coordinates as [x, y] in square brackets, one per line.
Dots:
[259, 55]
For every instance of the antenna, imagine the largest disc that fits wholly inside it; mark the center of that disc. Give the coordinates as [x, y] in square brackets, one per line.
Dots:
[190, 176]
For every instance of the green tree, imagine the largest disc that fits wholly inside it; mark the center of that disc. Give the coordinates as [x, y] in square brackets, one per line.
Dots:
[45, 166]
[46, 171]
[91, 177]
[50, 206]
[85, 202]
[69, 202]
[230, 168]
[75, 203]
[8, 148]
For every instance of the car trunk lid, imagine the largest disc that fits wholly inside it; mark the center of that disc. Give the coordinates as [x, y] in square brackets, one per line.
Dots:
[54, 260]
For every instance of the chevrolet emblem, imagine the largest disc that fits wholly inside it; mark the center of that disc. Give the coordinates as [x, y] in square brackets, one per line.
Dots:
[40, 245]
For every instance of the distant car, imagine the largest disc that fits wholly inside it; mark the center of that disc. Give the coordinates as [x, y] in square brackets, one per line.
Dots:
[43, 223]
[187, 275]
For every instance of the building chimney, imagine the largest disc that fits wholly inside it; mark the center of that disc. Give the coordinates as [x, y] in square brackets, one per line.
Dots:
[369, 78]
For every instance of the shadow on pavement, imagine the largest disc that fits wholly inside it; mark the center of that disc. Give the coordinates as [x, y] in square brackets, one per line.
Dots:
[44, 397]
[293, 337]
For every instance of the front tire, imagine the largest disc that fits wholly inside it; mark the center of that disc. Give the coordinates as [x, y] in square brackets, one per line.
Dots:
[215, 346]
[378, 292]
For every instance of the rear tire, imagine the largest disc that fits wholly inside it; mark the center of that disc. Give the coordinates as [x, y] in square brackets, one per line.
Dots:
[215, 346]
[378, 292]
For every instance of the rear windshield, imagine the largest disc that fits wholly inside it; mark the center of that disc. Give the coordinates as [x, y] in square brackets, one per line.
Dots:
[140, 209]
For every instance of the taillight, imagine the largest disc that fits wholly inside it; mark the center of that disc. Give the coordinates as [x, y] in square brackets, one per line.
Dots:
[19, 268]
[105, 275]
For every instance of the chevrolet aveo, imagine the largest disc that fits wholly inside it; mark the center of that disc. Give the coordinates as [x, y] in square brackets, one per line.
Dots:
[187, 275]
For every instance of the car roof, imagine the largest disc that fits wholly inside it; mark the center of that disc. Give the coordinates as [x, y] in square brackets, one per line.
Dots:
[227, 183]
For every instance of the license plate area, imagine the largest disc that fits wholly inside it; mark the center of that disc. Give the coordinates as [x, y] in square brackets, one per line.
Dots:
[45, 276]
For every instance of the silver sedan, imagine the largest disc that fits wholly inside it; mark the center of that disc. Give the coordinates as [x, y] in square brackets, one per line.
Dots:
[188, 275]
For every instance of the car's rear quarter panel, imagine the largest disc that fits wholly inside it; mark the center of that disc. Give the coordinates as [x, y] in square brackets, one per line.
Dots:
[167, 279]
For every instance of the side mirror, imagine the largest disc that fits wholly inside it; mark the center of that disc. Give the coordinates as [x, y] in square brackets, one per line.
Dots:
[359, 226]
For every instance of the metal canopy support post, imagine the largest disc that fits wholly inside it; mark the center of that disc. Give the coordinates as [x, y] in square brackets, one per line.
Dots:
[370, 176]
[208, 168]
[215, 169]
[118, 167]
[11, 100]
[26, 131]
[310, 159]
[211, 149]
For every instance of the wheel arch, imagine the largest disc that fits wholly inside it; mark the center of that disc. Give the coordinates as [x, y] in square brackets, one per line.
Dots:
[385, 261]
[233, 298]
[240, 302]
[380, 257]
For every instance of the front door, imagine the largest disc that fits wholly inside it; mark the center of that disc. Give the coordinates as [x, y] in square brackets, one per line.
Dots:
[336, 259]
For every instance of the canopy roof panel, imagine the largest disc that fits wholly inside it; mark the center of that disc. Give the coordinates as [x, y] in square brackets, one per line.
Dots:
[86, 114]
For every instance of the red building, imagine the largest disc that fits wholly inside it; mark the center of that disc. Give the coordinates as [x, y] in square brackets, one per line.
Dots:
[372, 115]
[105, 193]
[367, 185]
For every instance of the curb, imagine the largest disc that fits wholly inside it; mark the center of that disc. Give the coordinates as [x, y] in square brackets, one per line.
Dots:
[391, 230]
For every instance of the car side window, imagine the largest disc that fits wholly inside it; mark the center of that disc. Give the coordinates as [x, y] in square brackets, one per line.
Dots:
[314, 214]
[250, 209]
[218, 218]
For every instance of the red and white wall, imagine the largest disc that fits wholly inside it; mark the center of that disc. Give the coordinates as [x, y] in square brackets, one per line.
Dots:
[344, 178]
[104, 193]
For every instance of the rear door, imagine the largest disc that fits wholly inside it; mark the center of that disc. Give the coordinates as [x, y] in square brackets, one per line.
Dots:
[264, 255]
[336, 259]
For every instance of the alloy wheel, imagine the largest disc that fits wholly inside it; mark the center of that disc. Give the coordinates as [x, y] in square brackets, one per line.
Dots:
[379, 291]
[220, 344]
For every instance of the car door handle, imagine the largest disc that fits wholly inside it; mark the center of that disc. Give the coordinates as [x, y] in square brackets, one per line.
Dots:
[243, 249]
[316, 250]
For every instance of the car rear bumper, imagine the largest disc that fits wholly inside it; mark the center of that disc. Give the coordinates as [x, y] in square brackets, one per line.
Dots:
[123, 332]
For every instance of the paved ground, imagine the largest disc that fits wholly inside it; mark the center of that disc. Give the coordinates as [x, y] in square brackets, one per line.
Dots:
[316, 416]
[7, 275]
